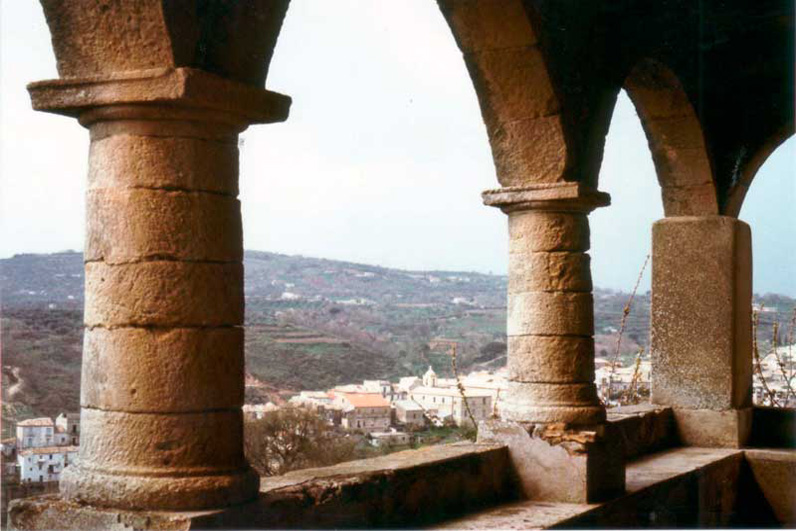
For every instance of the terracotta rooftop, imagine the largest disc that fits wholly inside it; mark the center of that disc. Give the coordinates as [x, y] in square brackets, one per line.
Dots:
[42, 421]
[366, 400]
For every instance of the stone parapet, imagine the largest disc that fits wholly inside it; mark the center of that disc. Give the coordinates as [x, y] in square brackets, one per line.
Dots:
[400, 490]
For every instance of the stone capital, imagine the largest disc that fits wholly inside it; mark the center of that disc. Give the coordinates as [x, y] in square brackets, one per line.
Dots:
[172, 91]
[555, 197]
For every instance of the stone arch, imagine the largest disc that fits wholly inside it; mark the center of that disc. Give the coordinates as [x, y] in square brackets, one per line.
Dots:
[519, 105]
[675, 138]
[748, 171]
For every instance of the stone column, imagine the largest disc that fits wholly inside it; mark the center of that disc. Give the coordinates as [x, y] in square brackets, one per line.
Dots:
[701, 326]
[163, 375]
[550, 309]
[552, 421]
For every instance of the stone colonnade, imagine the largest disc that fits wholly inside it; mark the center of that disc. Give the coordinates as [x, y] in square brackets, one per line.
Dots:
[163, 369]
[163, 360]
[550, 309]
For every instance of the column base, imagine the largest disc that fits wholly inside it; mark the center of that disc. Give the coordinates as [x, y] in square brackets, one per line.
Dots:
[561, 465]
[730, 428]
[570, 404]
[54, 512]
[180, 493]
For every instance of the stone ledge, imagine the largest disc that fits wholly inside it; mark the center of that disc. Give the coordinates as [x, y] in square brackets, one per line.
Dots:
[684, 487]
[410, 488]
[644, 428]
[679, 487]
[774, 473]
[661, 490]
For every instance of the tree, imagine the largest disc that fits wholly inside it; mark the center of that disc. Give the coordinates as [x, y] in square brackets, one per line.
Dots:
[293, 438]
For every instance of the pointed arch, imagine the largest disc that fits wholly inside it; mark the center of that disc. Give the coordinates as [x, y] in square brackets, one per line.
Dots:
[675, 138]
[748, 171]
[518, 103]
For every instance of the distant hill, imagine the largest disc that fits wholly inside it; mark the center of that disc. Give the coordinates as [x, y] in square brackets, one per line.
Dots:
[310, 324]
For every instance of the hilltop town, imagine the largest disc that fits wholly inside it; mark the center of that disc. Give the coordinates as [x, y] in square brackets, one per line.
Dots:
[317, 324]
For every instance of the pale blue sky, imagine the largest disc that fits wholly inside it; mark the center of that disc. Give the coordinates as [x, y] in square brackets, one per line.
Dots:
[382, 160]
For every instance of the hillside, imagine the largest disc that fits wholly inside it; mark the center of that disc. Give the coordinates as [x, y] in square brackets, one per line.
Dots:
[310, 324]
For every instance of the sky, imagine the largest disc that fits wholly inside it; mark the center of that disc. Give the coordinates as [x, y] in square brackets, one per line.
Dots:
[382, 160]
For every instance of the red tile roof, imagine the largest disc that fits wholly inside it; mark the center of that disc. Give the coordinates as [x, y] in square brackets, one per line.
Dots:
[365, 400]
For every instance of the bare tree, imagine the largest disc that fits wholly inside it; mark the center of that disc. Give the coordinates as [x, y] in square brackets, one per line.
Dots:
[293, 438]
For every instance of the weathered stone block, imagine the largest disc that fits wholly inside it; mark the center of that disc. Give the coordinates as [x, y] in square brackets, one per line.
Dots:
[555, 359]
[128, 225]
[169, 163]
[166, 370]
[542, 271]
[173, 443]
[487, 25]
[529, 151]
[550, 313]
[560, 465]
[512, 84]
[164, 294]
[701, 313]
[696, 200]
[710, 428]
[546, 231]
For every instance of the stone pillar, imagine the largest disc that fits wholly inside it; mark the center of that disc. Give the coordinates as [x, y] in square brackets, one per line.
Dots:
[552, 420]
[550, 309]
[163, 376]
[701, 328]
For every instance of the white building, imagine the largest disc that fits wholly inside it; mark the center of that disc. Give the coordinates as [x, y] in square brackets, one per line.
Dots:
[67, 429]
[409, 413]
[35, 433]
[315, 400]
[383, 387]
[405, 385]
[496, 384]
[449, 402]
[389, 438]
[42, 464]
[258, 411]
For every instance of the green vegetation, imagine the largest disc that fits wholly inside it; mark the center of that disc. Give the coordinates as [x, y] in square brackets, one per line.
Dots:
[41, 363]
[350, 322]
